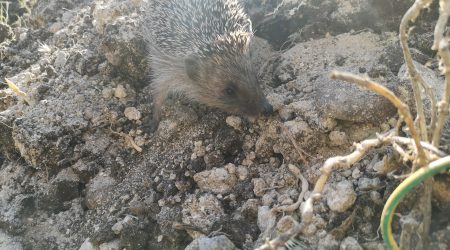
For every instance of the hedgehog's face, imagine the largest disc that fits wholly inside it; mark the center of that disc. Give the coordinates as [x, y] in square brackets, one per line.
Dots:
[229, 85]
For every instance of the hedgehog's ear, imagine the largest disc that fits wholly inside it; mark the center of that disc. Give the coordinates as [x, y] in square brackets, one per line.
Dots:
[192, 65]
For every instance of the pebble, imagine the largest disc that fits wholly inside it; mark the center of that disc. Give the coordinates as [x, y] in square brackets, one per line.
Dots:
[132, 114]
[259, 186]
[368, 184]
[107, 93]
[242, 172]
[341, 197]
[266, 219]
[217, 180]
[234, 122]
[120, 91]
[60, 59]
[203, 211]
[350, 243]
[219, 242]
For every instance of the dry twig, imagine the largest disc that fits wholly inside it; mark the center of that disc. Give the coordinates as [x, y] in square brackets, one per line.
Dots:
[283, 238]
[444, 53]
[415, 77]
[128, 139]
[293, 207]
[17, 90]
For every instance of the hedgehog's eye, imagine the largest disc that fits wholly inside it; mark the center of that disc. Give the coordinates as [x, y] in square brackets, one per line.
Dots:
[230, 91]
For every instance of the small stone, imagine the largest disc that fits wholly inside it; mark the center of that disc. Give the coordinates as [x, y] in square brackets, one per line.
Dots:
[285, 223]
[112, 245]
[356, 173]
[242, 172]
[269, 198]
[310, 230]
[66, 184]
[365, 184]
[329, 242]
[298, 127]
[98, 191]
[350, 243]
[60, 59]
[259, 186]
[219, 242]
[87, 245]
[374, 246]
[132, 113]
[120, 92]
[203, 211]
[217, 180]
[342, 197]
[199, 150]
[117, 228]
[266, 218]
[107, 93]
[139, 140]
[338, 138]
[234, 122]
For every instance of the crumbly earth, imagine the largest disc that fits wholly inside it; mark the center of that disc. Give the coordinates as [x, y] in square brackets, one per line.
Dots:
[81, 169]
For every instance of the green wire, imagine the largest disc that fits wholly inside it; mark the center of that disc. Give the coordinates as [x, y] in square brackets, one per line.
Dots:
[409, 183]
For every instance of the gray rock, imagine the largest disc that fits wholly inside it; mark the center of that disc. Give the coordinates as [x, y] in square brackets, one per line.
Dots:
[368, 184]
[266, 218]
[98, 191]
[125, 49]
[217, 180]
[311, 62]
[430, 77]
[218, 243]
[203, 211]
[341, 197]
[350, 243]
[66, 185]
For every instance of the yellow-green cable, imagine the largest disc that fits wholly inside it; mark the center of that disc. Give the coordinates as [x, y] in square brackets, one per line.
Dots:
[409, 183]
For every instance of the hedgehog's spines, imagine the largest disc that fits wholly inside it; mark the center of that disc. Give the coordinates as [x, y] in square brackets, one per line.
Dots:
[199, 48]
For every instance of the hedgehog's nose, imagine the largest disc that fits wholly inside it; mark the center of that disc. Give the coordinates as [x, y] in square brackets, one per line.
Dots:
[267, 107]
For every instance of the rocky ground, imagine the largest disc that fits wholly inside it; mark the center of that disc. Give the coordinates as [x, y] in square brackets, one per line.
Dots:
[80, 167]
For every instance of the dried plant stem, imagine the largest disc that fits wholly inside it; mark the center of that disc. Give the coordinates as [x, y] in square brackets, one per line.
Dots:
[443, 108]
[425, 145]
[441, 44]
[415, 77]
[444, 11]
[403, 109]
[346, 161]
[283, 238]
[327, 169]
[296, 205]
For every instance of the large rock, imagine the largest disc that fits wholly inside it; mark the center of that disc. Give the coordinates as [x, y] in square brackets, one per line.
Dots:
[305, 70]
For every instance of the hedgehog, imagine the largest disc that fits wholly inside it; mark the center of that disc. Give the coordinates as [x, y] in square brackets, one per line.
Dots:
[199, 49]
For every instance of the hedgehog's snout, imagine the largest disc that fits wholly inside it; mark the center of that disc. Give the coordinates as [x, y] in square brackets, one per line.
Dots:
[253, 111]
[267, 108]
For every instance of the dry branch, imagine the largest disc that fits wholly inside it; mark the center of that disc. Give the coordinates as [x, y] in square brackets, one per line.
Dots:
[415, 77]
[444, 53]
[293, 207]
[283, 238]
